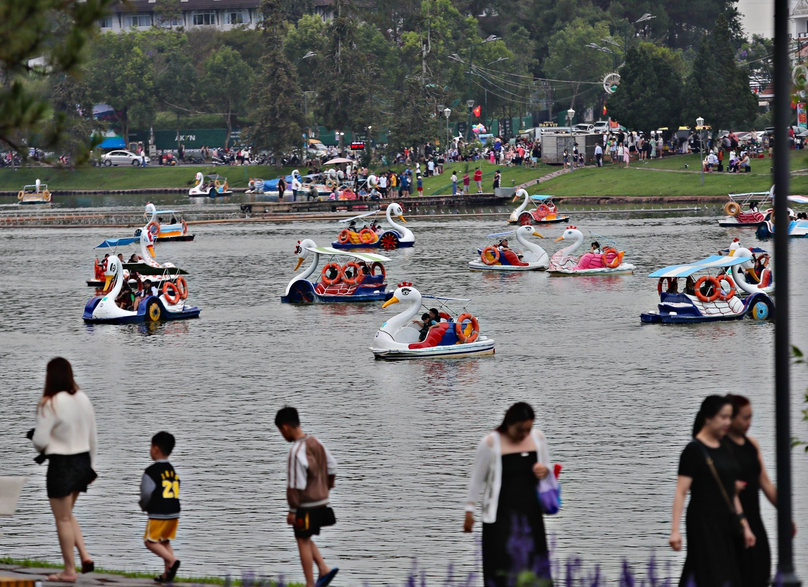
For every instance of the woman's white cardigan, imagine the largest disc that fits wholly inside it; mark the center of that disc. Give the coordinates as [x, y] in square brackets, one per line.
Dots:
[487, 473]
[65, 425]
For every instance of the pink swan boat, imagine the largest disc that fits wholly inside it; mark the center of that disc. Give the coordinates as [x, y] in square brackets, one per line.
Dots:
[608, 261]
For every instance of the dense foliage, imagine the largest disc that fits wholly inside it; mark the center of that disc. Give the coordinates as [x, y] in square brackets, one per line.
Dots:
[390, 64]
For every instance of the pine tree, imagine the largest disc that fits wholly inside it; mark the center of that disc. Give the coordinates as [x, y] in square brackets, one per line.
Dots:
[277, 94]
[413, 122]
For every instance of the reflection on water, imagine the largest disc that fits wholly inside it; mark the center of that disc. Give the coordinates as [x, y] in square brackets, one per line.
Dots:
[616, 399]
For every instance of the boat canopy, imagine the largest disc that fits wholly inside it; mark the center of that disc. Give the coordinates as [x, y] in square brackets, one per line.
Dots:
[363, 215]
[768, 195]
[538, 198]
[499, 234]
[442, 299]
[165, 212]
[366, 257]
[799, 199]
[118, 242]
[716, 261]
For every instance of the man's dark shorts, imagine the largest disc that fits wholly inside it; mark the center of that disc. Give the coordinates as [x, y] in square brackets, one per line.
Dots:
[308, 521]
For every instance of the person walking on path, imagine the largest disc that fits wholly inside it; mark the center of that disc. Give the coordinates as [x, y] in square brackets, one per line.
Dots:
[478, 179]
[756, 562]
[312, 472]
[160, 498]
[66, 433]
[599, 155]
[715, 520]
[507, 468]
[454, 183]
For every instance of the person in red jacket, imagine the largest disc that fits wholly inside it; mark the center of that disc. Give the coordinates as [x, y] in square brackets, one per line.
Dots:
[478, 179]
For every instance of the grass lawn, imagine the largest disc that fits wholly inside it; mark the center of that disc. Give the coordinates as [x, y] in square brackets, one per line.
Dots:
[38, 564]
[511, 176]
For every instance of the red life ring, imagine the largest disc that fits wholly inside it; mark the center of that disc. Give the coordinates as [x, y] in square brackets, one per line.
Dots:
[368, 236]
[731, 293]
[543, 210]
[445, 316]
[475, 328]
[344, 236]
[670, 281]
[494, 253]
[171, 298]
[716, 288]
[616, 260]
[380, 266]
[331, 280]
[182, 287]
[357, 273]
[99, 273]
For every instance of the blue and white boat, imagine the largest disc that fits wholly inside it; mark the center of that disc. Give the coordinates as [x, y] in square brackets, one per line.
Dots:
[708, 298]
[796, 228]
[346, 276]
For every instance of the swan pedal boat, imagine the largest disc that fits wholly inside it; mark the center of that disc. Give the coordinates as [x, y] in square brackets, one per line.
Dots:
[35, 194]
[796, 228]
[346, 276]
[714, 298]
[104, 309]
[176, 231]
[532, 257]
[209, 185]
[544, 212]
[457, 337]
[608, 262]
[738, 217]
[145, 267]
[745, 276]
[396, 237]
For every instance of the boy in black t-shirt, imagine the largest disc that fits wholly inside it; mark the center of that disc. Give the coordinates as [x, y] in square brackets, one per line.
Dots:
[160, 498]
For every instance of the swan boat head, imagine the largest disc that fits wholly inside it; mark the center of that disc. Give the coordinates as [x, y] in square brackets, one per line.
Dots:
[405, 234]
[302, 251]
[571, 234]
[520, 193]
[397, 211]
[411, 298]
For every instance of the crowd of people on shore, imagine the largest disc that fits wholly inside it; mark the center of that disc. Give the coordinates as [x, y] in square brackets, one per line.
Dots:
[722, 469]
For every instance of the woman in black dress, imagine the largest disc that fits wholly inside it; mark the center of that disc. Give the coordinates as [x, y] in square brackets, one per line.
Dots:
[756, 562]
[712, 515]
[507, 468]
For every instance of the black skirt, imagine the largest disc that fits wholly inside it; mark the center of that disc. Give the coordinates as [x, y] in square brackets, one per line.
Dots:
[69, 473]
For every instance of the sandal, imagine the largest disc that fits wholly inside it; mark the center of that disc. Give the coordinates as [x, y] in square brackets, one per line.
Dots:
[58, 578]
[172, 572]
[160, 578]
[87, 567]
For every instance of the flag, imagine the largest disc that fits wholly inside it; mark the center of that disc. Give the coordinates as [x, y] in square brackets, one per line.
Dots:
[604, 110]
[477, 111]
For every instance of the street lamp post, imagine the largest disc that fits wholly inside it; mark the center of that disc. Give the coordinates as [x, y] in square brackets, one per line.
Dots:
[570, 115]
[370, 142]
[341, 150]
[447, 113]
[470, 104]
[700, 128]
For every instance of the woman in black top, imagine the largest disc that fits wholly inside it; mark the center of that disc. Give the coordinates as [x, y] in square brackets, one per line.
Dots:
[713, 514]
[756, 562]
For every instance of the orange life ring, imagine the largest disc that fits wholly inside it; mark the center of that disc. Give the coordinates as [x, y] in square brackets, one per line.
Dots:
[150, 224]
[367, 235]
[616, 260]
[716, 288]
[475, 328]
[494, 253]
[731, 293]
[357, 273]
[331, 280]
[380, 266]
[669, 280]
[543, 210]
[174, 297]
[344, 236]
[182, 286]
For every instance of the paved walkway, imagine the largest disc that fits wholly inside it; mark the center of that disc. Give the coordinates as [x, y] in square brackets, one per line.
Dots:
[91, 579]
[542, 179]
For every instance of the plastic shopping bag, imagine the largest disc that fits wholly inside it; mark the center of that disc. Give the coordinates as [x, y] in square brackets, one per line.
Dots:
[550, 492]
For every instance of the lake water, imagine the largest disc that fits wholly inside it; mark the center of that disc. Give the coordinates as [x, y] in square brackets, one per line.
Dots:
[615, 399]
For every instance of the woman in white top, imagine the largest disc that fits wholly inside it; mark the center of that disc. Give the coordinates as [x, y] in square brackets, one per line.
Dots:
[507, 468]
[65, 432]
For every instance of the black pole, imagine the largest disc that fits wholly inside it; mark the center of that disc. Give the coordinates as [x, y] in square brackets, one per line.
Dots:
[782, 348]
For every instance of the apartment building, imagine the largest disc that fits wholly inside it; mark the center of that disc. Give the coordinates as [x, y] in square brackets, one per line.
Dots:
[220, 15]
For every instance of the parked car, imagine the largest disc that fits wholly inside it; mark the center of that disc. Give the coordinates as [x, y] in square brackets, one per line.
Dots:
[122, 158]
[584, 127]
[601, 126]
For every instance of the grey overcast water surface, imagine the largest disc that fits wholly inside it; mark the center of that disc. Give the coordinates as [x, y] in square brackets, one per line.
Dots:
[615, 399]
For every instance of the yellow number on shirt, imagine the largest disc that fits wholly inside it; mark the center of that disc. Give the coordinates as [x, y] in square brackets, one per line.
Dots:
[171, 490]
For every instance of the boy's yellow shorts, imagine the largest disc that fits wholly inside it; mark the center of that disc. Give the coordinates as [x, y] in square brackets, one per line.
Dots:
[161, 530]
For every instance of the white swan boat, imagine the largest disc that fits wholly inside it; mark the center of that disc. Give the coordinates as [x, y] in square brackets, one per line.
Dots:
[209, 185]
[394, 238]
[609, 261]
[459, 337]
[169, 305]
[543, 212]
[346, 276]
[496, 258]
[175, 230]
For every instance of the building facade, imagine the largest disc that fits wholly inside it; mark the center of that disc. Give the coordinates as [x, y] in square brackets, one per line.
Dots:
[219, 15]
[757, 18]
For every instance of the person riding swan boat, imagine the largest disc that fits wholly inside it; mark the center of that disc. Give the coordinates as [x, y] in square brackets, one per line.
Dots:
[346, 277]
[174, 231]
[608, 261]
[498, 258]
[397, 237]
[398, 338]
[755, 275]
[170, 305]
